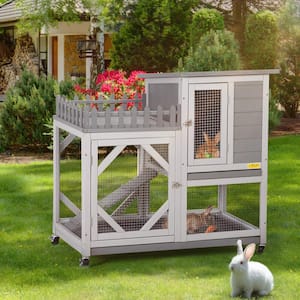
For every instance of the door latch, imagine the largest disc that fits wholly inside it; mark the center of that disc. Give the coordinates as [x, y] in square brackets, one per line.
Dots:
[176, 185]
[188, 123]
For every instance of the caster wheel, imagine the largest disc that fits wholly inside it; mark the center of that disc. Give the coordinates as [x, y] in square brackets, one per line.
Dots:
[54, 239]
[84, 262]
[260, 249]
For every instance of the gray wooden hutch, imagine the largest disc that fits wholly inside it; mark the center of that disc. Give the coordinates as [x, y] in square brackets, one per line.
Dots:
[171, 169]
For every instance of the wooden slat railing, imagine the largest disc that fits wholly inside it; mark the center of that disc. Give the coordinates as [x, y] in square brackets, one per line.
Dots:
[112, 114]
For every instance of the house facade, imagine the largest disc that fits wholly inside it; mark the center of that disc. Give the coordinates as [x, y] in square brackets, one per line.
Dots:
[55, 49]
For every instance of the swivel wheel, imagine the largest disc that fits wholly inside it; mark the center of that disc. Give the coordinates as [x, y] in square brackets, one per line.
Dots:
[54, 239]
[84, 262]
[260, 249]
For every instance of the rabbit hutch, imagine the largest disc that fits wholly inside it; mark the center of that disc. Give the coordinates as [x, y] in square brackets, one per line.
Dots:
[185, 167]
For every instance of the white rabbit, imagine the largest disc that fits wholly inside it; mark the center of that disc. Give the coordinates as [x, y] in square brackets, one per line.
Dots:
[249, 277]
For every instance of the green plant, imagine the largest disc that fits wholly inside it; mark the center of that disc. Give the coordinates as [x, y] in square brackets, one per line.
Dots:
[216, 50]
[204, 20]
[29, 105]
[288, 91]
[274, 113]
[288, 83]
[153, 36]
[261, 40]
[66, 88]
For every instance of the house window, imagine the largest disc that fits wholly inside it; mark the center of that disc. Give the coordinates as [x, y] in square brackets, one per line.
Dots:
[43, 53]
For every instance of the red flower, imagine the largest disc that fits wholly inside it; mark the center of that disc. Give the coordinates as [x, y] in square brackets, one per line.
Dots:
[115, 83]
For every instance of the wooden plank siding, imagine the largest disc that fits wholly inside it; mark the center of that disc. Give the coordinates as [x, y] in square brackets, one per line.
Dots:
[247, 145]
[10, 12]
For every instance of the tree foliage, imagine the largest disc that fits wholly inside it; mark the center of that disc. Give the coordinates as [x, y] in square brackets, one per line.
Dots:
[261, 43]
[205, 20]
[288, 82]
[153, 36]
[47, 13]
[216, 51]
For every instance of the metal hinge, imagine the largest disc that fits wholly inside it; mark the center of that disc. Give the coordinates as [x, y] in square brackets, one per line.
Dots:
[176, 185]
[188, 123]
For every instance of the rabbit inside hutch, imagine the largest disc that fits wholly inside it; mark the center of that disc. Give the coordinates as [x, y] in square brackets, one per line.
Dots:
[207, 116]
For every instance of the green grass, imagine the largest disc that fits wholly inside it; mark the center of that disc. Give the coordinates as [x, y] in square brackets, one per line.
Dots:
[31, 268]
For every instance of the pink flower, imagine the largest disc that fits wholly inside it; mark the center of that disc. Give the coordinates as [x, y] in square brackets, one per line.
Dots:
[115, 83]
[130, 105]
[106, 88]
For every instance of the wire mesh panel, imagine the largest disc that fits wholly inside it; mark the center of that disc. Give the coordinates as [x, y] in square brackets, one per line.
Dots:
[70, 182]
[243, 202]
[207, 118]
[131, 190]
[239, 203]
[201, 201]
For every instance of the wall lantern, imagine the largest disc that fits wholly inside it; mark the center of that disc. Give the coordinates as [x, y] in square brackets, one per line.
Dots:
[87, 48]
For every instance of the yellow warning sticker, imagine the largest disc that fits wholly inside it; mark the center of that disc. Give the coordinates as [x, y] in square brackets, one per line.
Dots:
[255, 165]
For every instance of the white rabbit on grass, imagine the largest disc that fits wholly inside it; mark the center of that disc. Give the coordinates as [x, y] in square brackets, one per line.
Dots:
[248, 277]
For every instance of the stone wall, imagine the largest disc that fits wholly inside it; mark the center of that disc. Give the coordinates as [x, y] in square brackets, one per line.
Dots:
[24, 55]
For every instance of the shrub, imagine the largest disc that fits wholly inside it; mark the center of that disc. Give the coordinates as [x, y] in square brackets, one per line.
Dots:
[204, 20]
[261, 40]
[66, 88]
[288, 83]
[288, 91]
[274, 113]
[216, 50]
[28, 106]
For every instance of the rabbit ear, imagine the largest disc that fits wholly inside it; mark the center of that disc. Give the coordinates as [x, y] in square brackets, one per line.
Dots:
[217, 138]
[206, 137]
[249, 251]
[239, 247]
[208, 210]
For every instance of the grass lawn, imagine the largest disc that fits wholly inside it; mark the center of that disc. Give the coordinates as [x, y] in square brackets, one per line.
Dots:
[31, 268]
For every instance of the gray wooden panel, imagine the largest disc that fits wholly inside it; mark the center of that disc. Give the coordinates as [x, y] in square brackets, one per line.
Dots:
[163, 94]
[224, 174]
[248, 89]
[247, 157]
[210, 73]
[173, 245]
[247, 118]
[247, 132]
[248, 115]
[248, 104]
[247, 145]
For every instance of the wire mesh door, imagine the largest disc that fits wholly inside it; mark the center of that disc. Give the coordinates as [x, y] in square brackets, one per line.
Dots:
[132, 190]
[208, 112]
